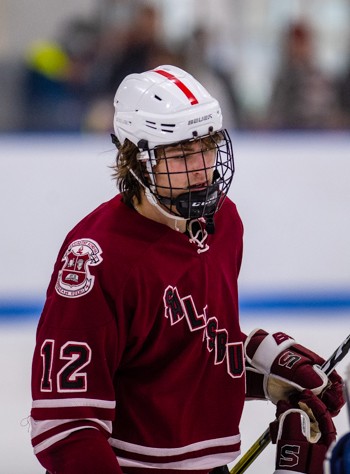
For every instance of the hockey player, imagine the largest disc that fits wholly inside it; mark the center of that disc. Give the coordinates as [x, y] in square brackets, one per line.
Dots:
[338, 457]
[139, 364]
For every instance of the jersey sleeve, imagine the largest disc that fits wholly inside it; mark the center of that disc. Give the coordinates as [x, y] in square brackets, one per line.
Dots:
[84, 451]
[75, 361]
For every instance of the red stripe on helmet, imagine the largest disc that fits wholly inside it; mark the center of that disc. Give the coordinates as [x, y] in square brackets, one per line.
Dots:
[190, 96]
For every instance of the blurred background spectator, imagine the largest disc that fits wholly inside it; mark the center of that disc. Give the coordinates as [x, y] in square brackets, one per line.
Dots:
[344, 96]
[196, 60]
[123, 49]
[55, 78]
[303, 96]
[274, 65]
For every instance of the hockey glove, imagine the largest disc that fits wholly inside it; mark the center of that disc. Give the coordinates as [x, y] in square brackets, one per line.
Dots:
[338, 457]
[288, 367]
[303, 433]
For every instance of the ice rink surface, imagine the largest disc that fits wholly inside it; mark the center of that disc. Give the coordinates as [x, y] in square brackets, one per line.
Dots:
[322, 332]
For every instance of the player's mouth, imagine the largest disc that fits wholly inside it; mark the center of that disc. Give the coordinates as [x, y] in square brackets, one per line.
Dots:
[198, 186]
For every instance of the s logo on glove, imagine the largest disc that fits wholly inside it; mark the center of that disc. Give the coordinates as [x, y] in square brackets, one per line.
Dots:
[303, 432]
[288, 367]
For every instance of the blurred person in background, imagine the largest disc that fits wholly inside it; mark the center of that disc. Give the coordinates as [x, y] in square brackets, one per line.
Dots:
[338, 461]
[344, 96]
[303, 97]
[338, 456]
[55, 78]
[133, 46]
[47, 98]
[212, 77]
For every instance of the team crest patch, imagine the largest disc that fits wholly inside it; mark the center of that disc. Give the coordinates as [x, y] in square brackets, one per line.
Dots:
[74, 279]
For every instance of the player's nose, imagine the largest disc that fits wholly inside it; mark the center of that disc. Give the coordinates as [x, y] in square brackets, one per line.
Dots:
[197, 162]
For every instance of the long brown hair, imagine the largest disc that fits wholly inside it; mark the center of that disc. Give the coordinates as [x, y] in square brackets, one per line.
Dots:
[126, 160]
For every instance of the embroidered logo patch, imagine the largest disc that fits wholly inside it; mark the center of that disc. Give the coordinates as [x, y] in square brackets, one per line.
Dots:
[74, 279]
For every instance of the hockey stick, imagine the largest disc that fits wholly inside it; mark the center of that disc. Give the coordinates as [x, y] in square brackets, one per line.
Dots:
[260, 444]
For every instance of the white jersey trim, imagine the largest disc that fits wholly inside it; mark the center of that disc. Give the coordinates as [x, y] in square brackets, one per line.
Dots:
[204, 462]
[38, 427]
[58, 437]
[139, 449]
[73, 402]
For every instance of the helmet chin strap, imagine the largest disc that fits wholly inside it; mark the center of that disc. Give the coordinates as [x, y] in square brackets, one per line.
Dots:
[189, 204]
[154, 201]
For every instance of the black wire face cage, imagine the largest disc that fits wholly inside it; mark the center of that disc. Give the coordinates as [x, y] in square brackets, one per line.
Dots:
[191, 178]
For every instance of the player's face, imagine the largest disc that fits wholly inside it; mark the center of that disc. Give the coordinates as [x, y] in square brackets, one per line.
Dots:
[185, 167]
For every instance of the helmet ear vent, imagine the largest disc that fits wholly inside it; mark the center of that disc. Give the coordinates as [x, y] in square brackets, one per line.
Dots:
[167, 127]
[164, 127]
[151, 124]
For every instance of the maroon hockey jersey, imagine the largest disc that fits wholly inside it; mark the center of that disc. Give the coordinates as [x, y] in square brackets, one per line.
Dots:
[140, 339]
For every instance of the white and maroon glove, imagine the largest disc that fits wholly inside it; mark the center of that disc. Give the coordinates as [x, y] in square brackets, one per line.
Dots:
[303, 432]
[277, 366]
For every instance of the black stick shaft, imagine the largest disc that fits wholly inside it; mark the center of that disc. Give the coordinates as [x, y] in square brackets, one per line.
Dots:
[338, 355]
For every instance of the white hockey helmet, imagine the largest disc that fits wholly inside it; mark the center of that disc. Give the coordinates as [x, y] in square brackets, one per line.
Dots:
[167, 106]
[164, 106]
